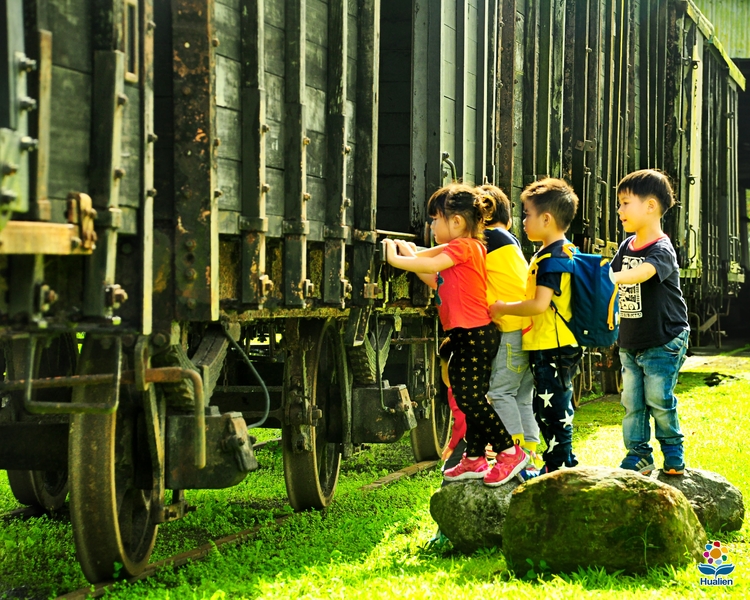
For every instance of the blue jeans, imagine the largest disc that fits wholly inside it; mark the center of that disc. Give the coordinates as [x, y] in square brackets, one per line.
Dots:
[648, 380]
[512, 387]
[553, 372]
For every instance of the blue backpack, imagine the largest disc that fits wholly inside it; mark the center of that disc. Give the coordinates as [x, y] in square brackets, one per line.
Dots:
[596, 315]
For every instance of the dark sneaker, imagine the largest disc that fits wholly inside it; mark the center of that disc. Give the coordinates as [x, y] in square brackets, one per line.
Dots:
[642, 464]
[673, 465]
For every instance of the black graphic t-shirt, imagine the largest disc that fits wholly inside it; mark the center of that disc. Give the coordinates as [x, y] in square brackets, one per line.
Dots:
[653, 312]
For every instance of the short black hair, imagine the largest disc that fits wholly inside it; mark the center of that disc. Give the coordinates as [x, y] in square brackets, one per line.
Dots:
[464, 200]
[555, 197]
[649, 183]
[501, 207]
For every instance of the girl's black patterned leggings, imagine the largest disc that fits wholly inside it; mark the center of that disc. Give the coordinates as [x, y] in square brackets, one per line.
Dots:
[469, 372]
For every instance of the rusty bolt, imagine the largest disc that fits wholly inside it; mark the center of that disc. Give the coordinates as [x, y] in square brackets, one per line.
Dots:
[27, 103]
[190, 303]
[187, 44]
[75, 243]
[215, 42]
[265, 128]
[305, 141]
[151, 192]
[29, 144]
[152, 138]
[9, 169]
[7, 196]
[150, 25]
[306, 196]
[186, 91]
[190, 244]
[190, 273]
[26, 64]
[119, 173]
[159, 340]
[347, 202]
[218, 193]
[122, 99]
[347, 149]
[265, 188]
[50, 297]
[217, 141]
[315, 413]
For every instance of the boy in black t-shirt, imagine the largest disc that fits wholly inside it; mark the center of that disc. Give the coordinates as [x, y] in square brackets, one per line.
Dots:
[654, 328]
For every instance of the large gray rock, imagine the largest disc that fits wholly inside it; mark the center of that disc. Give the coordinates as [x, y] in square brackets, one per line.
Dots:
[470, 514]
[600, 517]
[717, 503]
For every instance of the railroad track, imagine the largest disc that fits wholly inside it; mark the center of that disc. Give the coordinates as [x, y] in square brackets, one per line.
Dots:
[100, 589]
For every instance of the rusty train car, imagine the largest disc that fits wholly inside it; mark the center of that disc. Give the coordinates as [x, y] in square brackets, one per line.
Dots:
[194, 193]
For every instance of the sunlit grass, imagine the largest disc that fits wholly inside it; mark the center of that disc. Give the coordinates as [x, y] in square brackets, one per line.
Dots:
[373, 545]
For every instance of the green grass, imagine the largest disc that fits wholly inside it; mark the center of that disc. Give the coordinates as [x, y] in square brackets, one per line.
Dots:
[374, 545]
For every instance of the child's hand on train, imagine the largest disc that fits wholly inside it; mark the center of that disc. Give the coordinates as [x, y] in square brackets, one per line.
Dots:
[390, 250]
[406, 248]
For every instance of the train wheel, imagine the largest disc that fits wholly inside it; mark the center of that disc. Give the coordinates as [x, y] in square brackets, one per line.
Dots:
[112, 497]
[611, 382]
[430, 435]
[312, 453]
[46, 489]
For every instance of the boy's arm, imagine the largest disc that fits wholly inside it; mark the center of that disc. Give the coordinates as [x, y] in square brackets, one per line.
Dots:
[641, 273]
[526, 308]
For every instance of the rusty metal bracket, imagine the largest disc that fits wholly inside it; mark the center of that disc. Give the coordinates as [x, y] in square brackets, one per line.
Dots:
[118, 378]
[82, 213]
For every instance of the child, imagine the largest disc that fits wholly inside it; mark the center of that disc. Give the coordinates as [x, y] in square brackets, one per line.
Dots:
[549, 207]
[456, 269]
[511, 383]
[654, 329]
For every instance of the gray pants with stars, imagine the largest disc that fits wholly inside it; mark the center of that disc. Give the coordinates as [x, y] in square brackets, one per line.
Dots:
[553, 372]
[469, 372]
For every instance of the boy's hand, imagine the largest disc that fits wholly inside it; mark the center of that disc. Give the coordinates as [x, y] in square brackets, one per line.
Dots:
[497, 310]
[446, 453]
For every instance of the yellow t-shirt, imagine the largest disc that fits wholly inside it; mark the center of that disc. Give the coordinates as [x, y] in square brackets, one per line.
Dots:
[506, 275]
[547, 330]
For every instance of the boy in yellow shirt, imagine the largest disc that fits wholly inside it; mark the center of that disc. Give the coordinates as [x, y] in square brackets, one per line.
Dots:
[511, 383]
[549, 208]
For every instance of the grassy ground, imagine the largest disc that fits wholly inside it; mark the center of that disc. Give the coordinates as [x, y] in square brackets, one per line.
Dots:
[374, 545]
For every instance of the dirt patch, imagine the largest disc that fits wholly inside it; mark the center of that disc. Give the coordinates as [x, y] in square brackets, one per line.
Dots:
[738, 364]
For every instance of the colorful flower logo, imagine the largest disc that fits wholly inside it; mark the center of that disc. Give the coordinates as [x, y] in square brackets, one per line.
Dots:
[717, 560]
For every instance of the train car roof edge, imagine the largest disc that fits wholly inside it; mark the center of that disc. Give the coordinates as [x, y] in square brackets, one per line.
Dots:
[707, 29]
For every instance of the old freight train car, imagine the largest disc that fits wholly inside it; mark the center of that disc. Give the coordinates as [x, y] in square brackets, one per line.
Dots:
[199, 189]
[599, 89]
[195, 192]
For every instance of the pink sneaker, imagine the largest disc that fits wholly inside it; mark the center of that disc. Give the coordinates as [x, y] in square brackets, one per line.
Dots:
[468, 469]
[506, 467]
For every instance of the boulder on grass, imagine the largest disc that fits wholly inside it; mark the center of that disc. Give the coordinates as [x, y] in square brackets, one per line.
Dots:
[717, 503]
[470, 514]
[600, 517]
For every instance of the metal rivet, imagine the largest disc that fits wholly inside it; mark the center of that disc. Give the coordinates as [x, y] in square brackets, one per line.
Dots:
[305, 141]
[265, 128]
[186, 91]
[215, 42]
[187, 44]
[27, 103]
[218, 193]
[152, 138]
[26, 64]
[306, 196]
[119, 173]
[265, 188]
[217, 141]
[347, 149]
[151, 193]
[190, 274]
[122, 99]
[28, 143]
